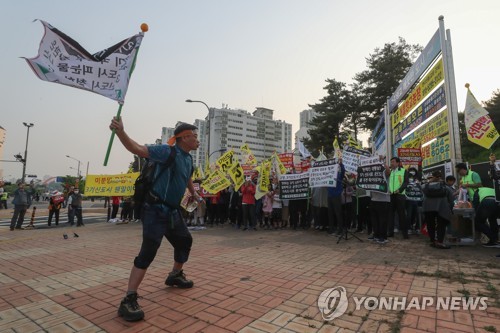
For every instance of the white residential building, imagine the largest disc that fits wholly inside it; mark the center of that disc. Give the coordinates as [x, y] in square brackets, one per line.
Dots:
[305, 117]
[230, 129]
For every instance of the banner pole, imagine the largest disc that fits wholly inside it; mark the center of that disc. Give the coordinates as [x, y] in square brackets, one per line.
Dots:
[112, 136]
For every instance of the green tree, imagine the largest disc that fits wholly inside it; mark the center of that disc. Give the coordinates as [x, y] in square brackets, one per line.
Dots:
[387, 66]
[331, 112]
[493, 107]
[356, 113]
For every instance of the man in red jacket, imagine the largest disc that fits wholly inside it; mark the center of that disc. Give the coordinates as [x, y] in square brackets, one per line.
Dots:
[248, 203]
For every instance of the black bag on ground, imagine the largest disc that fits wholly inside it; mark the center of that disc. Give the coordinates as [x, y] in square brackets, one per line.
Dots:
[435, 190]
[144, 183]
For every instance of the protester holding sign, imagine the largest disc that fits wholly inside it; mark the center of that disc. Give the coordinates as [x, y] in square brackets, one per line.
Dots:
[55, 203]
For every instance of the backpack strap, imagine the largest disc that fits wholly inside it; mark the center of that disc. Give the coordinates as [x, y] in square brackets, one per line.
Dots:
[164, 166]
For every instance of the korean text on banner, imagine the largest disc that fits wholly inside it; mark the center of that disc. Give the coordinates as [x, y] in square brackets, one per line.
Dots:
[110, 185]
[324, 173]
[237, 175]
[62, 60]
[351, 156]
[428, 83]
[216, 182]
[294, 186]
[226, 161]
[371, 175]
[480, 128]
[437, 151]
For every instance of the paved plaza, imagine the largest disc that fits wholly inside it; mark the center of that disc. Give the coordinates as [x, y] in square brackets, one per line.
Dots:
[245, 281]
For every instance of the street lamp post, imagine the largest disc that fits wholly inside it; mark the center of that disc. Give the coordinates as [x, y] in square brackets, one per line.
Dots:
[78, 172]
[28, 125]
[208, 143]
[219, 150]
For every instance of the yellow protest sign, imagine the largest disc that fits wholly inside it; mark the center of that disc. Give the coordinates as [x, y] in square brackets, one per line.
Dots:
[281, 168]
[264, 177]
[197, 174]
[226, 161]
[216, 182]
[249, 158]
[237, 175]
[110, 185]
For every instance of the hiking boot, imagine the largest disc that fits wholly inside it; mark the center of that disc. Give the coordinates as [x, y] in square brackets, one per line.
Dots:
[129, 308]
[178, 279]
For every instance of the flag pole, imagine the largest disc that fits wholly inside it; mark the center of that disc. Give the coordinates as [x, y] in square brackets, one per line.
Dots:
[112, 135]
[144, 28]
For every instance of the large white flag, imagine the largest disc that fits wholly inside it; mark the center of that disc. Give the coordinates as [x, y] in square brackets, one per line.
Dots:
[62, 60]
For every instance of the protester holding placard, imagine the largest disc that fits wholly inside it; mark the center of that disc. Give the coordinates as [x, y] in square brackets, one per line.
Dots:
[55, 204]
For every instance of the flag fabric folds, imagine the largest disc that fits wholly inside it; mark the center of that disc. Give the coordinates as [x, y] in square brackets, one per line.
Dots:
[303, 150]
[336, 149]
[248, 156]
[352, 142]
[480, 129]
[62, 60]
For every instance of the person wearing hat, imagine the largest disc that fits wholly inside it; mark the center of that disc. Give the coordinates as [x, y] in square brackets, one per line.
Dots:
[437, 207]
[161, 211]
[55, 203]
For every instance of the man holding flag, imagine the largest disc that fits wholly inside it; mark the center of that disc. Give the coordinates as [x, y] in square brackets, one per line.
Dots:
[161, 214]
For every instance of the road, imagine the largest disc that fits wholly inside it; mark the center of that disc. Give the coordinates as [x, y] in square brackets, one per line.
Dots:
[93, 212]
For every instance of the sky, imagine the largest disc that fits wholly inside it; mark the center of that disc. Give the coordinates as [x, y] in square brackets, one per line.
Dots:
[275, 54]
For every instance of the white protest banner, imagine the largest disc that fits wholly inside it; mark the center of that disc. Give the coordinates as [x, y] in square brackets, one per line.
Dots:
[294, 186]
[324, 173]
[350, 158]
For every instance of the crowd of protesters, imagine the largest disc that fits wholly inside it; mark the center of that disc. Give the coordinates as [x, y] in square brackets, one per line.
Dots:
[412, 206]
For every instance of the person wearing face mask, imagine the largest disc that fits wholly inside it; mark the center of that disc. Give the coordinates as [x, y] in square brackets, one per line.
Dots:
[75, 206]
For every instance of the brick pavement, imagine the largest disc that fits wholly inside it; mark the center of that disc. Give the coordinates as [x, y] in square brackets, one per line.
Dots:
[258, 281]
